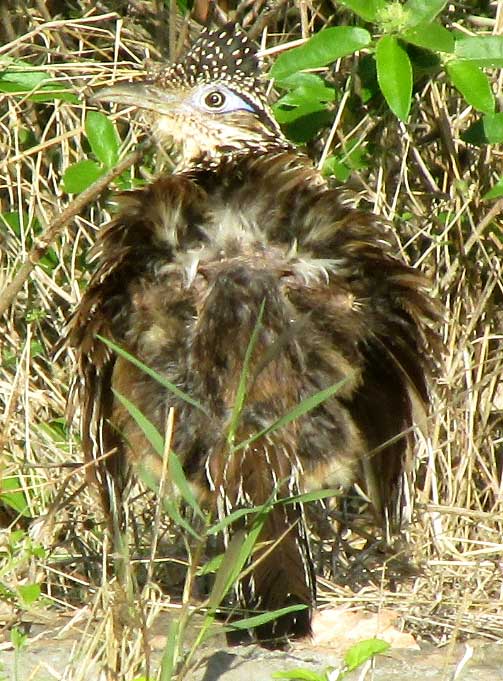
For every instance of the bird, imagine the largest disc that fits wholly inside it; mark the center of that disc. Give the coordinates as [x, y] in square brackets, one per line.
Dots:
[245, 266]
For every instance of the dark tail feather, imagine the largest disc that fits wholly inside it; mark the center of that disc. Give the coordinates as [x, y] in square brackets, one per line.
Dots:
[282, 571]
[283, 576]
[106, 464]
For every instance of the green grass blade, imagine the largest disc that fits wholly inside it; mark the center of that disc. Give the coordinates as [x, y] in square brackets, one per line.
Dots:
[176, 470]
[257, 620]
[299, 410]
[232, 517]
[153, 374]
[170, 655]
[239, 550]
[150, 431]
[210, 566]
[297, 498]
[311, 496]
[243, 378]
[178, 476]
[174, 513]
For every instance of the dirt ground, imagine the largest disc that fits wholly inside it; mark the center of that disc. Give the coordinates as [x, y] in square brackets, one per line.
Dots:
[55, 651]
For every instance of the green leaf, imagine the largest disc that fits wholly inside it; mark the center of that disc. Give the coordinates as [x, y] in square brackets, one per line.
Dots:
[394, 74]
[18, 639]
[184, 6]
[153, 374]
[423, 11]
[304, 127]
[300, 110]
[487, 130]
[493, 127]
[480, 50]
[300, 675]
[473, 84]
[367, 72]
[29, 593]
[38, 552]
[305, 89]
[36, 347]
[49, 93]
[13, 495]
[22, 74]
[354, 157]
[103, 138]
[308, 82]
[20, 77]
[334, 167]
[322, 49]
[44, 93]
[363, 651]
[14, 219]
[81, 175]
[495, 192]
[56, 430]
[366, 9]
[300, 98]
[430, 36]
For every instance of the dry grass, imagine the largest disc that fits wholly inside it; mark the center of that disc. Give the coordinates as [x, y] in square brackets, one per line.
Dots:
[422, 171]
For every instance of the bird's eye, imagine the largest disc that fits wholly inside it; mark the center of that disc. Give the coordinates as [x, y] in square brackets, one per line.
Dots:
[218, 99]
[214, 99]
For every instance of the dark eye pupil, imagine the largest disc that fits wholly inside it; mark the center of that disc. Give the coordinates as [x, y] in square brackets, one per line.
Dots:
[214, 99]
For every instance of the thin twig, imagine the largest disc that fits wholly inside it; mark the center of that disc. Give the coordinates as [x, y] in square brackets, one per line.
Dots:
[38, 251]
[474, 238]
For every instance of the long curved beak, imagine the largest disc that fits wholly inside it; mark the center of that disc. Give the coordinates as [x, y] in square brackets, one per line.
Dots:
[140, 95]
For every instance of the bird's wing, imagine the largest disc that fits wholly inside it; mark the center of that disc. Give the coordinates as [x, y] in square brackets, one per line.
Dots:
[390, 333]
[98, 315]
[122, 304]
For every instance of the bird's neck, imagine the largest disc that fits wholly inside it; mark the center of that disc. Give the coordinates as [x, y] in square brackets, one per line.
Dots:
[224, 160]
[257, 167]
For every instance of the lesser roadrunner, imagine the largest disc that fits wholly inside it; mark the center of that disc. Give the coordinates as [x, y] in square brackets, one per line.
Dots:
[245, 226]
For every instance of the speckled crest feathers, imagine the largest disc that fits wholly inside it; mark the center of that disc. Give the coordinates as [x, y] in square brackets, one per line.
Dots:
[226, 54]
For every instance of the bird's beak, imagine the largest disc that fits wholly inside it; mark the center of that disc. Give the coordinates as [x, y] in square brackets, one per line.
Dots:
[141, 96]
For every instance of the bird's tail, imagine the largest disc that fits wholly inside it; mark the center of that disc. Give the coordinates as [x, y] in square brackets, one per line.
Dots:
[280, 571]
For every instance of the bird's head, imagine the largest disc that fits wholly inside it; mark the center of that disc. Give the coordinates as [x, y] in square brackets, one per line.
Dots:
[211, 104]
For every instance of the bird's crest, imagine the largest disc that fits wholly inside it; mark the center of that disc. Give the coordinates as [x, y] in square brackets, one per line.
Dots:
[224, 54]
